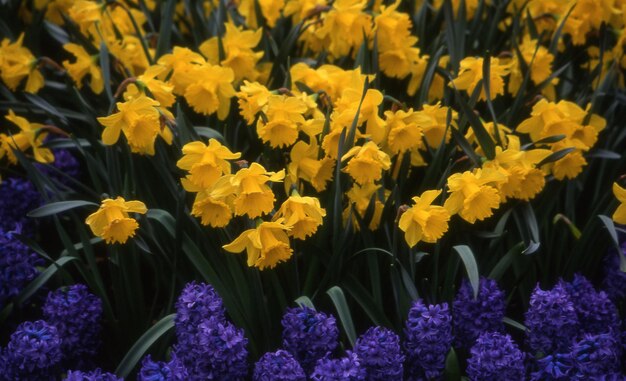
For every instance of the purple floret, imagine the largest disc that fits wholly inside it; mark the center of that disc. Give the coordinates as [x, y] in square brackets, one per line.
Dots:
[428, 338]
[474, 316]
[278, 366]
[495, 357]
[348, 368]
[551, 321]
[309, 335]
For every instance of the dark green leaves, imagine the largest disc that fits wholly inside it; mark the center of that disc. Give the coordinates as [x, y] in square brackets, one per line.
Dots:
[58, 207]
[144, 343]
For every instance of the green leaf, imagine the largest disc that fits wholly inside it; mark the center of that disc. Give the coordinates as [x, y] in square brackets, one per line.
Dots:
[45, 105]
[471, 267]
[165, 34]
[209, 133]
[42, 279]
[514, 324]
[453, 369]
[573, 229]
[341, 304]
[505, 262]
[164, 218]
[105, 66]
[58, 207]
[144, 343]
[304, 301]
[610, 226]
[558, 155]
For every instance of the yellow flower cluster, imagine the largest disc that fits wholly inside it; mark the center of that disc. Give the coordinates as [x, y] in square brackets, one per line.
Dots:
[328, 120]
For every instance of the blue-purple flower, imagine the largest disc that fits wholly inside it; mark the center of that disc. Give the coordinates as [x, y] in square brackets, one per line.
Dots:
[17, 265]
[551, 320]
[596, 356]
[380, 354]
[196, 303]
[555, 367]
[19, 197]
[278, 366]
[347, 368]
[218, 351]
[595, 311]
[33, 352]
[614, 280]
[95, 375]
[309, 335]
[495, 357]
[473, 316]
[428, 337]
[77, 315]
[173, 370]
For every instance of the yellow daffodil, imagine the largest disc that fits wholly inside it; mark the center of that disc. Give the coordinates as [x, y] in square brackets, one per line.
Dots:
[471, 72]
[284, 117]
[17, 63]
[205, 164]
[522, 179]
[359, 199]
[161, 91]
[210, 90]
[270, 9]
[303, 214]
[433, 120]
[344, 27]
[214, 205]
[266, 246]
[620, 213]
[111, 221]
[366, 163]
[423, 221]
[540, 68]
[254, 196]
[474, 195]
[85, 64]
[140, 120]
[252, 98]
[305, 165]
[180, 65]
[238, 47]
[405, 132]
[29, 136]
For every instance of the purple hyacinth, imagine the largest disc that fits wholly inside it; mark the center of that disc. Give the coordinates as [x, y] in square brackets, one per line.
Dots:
[197, 302]
[33, 352]
[19, 197]
[95, 375]
[216, 352]
[348, 368]
[380, 354]
[596, 356]
[428, 337]
[309, 335]
[17, 265]
[173, 370]
[614, 280]
[278, 366]
[595, 311]
[551, 320]
[77, 315]
[495, 356]
[473, 316]
[553, 367]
